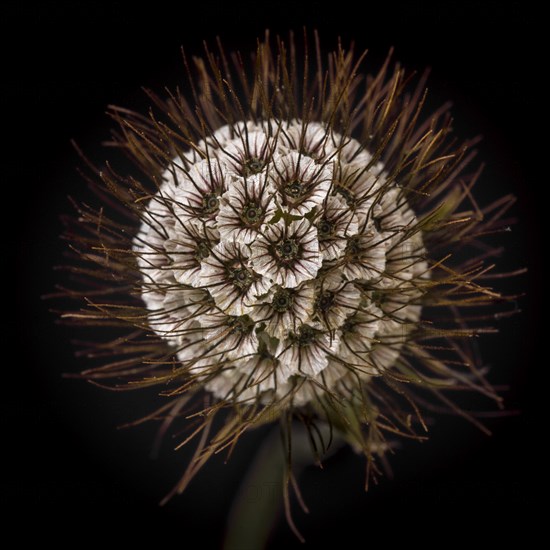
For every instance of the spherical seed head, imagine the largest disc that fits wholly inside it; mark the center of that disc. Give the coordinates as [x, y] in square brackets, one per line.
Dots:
[289, 248]
[263, 255]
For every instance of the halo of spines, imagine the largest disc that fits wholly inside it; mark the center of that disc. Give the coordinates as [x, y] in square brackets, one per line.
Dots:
[375, 122]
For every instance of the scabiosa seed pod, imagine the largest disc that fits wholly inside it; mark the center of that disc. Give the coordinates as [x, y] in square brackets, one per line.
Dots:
[294, 244]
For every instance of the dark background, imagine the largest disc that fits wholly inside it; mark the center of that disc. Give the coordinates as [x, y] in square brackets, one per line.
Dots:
[73, 467]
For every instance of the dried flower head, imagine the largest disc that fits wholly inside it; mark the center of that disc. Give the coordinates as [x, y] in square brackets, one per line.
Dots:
[296, 243]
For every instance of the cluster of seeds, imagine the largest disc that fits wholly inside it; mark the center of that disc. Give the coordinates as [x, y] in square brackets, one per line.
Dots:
[279, 258]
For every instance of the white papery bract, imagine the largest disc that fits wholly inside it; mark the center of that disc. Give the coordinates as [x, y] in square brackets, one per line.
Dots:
[281, 261]
[285, 309]
[245, 207]
[227, 275]
[287, 253]
[302, 184]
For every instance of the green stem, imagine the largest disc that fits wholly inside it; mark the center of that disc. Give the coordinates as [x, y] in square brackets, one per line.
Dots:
[260, 498]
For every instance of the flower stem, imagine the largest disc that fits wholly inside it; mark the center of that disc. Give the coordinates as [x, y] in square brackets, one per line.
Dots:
[259, 500]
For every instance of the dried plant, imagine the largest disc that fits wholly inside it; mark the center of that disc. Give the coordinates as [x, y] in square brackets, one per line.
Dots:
[298, 241]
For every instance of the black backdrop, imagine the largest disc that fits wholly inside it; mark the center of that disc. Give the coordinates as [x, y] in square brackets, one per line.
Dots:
[75, 468]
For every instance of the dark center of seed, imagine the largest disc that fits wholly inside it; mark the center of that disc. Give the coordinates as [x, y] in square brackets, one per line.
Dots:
[324, 229]
[252, 214]
[288, 249]
[253, 165]
[325, 301]
[242, 324]
[282, 301]
[306, 335]
[210, 203]
[353, 247]
[294, 189]
[202, 251]
[348, 326]
[378, 297]
[241, 277]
